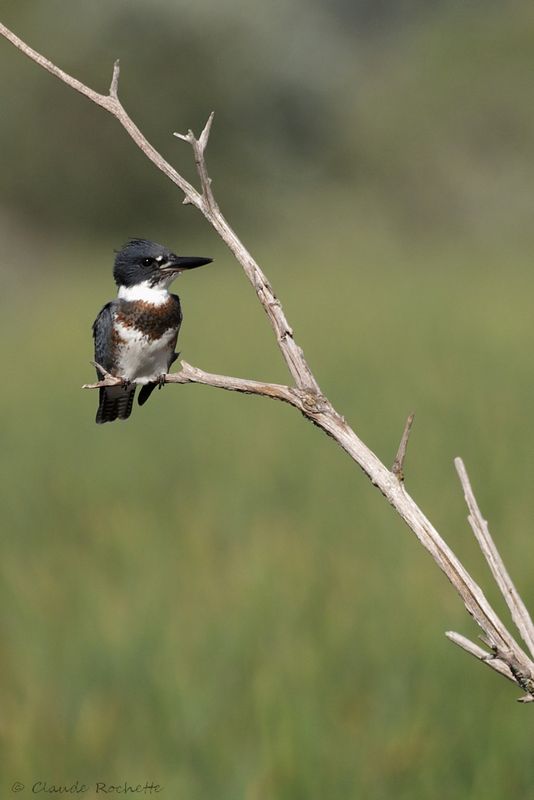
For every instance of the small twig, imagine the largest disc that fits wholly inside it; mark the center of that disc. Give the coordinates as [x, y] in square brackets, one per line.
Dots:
[398, 465]
[482, 655]
[114, 86]
[108, 378]
[500, 661]
[479, 525]
[205, 135]
[185, 137]
[103, 371]
[199, 146]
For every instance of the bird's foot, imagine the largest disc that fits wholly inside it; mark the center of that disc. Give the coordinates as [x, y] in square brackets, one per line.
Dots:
[160, 380]
[125, 384]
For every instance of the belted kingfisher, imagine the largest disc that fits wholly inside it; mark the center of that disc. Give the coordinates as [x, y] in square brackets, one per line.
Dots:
[135, 335]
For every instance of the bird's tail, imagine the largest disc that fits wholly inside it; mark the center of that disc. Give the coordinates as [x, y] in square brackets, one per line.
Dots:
[145, 392]
[115, 403]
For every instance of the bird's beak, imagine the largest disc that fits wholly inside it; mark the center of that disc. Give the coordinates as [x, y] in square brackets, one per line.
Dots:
[181, 263]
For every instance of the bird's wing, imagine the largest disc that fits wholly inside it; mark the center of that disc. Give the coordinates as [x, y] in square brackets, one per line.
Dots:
[115, 402]
[102, 330]
[173, 356]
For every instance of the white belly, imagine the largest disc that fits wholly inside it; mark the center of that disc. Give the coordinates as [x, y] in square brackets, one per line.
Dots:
[141, 359]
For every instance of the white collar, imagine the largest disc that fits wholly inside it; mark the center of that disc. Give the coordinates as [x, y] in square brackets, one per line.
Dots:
[155, 295]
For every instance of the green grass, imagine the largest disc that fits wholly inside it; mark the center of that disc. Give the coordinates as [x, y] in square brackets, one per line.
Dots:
[212, 596]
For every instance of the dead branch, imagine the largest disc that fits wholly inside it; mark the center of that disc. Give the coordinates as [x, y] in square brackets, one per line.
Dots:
[505, 655]
[190, 374]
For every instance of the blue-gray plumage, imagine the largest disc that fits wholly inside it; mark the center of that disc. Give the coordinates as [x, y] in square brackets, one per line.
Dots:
[135, 335]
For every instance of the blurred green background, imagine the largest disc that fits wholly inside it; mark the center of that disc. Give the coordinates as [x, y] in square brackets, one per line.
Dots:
[212, 596]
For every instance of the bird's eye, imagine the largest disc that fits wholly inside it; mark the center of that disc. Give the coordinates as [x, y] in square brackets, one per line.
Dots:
[147, 262]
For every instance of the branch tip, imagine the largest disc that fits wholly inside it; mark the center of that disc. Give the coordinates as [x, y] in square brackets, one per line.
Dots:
[107, 378]
[205, 135]
[114, 86]
[398, 465]
[100, 368]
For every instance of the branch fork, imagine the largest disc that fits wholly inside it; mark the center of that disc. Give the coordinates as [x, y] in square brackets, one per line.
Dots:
[199, 146]
[504, 656]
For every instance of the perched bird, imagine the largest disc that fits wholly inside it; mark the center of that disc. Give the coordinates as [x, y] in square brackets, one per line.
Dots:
[135, 335]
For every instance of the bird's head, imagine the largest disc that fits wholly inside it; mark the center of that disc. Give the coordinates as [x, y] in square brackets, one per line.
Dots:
[143, 262]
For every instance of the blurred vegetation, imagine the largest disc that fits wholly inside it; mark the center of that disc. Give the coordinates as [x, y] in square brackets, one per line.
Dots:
[211, 596]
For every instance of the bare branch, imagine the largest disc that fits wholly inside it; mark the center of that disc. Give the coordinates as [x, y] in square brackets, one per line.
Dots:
[43, 62]
[190, 374]
[112, 104]
[398, 464]
[306, 395]
[518, 610]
